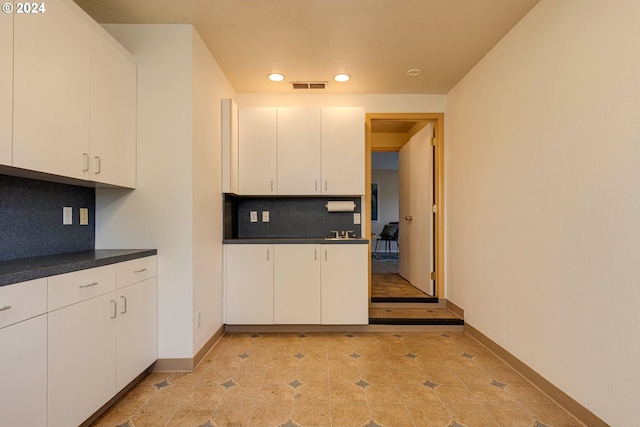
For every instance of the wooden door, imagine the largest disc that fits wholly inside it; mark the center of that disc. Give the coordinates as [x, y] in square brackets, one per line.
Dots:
[416, 218]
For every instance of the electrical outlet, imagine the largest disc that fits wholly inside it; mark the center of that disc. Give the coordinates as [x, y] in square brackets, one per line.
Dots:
[84, 216]
[265, 216]
[356, 218]
[253, 216]
[67, 215]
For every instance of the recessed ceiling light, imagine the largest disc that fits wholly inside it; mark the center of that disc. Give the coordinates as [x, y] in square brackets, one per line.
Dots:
[276, 77]
[414, 72]
[342, 77]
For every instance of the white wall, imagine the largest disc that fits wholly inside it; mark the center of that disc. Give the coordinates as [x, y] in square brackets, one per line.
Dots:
[389, 200]
[371, 103]
[176, 205]
[543, 199]
[210, 85]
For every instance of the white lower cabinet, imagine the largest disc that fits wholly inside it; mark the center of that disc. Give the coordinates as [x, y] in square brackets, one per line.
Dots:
[249, 284]
[296, 284]
[23, 354]
[23, 373]
[82, 360]
[97, 346]
[345, 286]
[136, 335]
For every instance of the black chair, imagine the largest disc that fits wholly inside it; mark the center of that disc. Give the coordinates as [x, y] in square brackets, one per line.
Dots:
[388, 234]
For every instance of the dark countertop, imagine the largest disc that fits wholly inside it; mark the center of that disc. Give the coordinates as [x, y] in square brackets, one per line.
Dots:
[295, 241]
[21, 270]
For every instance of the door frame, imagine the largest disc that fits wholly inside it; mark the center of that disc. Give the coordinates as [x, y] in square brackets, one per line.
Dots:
[438, 125]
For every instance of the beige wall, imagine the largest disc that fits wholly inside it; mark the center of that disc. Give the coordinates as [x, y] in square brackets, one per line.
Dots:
[543, 199]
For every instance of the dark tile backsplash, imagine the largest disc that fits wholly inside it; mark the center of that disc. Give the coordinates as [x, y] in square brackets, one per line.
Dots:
[31, 218]
[303, 217]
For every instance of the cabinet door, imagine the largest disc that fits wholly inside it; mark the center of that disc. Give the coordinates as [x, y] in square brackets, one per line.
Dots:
[6, 87]
[51, 91]
[345, 293]
[249, 284]
[257, 151]
[82, 360]
[299, 151]
[343, 151]
[23, 370]
[113, 113]
[296, 284]
[137, 334]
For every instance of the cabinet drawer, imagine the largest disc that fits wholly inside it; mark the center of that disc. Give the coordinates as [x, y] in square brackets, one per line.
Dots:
[22, 301]
[135, 271]
[70, 288]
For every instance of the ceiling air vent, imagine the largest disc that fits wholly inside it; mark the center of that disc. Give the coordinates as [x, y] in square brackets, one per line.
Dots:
[309, 85]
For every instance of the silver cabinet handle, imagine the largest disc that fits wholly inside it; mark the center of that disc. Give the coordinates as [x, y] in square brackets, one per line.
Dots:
[140, 271]
[325, 254]
[325, 185]
[316, 185]
[268, 250]
[271, 185]
[6, 307]
[124, 301]
[88, 285]
[85, 162]
[115, 309]
[98, 165]
[315, 254]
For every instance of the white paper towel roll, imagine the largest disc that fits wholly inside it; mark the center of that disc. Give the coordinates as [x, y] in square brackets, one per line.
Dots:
[340, 206]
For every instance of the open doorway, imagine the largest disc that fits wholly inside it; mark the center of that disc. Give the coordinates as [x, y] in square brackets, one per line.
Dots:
[395, 272]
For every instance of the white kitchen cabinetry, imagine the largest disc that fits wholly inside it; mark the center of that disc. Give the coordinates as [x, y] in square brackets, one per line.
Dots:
[297, 284]
[74, 98]
[98, 343]
[6, 87]
[23, 352]
[343, 150]
[299, 151]
[82, 360]
[345, 291]
[113, 113]
[257, 151]
[137, 330]
[51, 91]
[249, 284]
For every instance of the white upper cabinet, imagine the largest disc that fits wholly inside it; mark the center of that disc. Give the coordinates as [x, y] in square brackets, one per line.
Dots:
[6, 87]
[113, 113]
[299, 151]
[51, 91]
[343, 150]
[257, 151]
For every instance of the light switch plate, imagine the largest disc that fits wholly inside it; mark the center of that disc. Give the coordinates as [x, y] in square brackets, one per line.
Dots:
[254, 216]
[84, 216]
[356, 218]
[265, 216]
[67, 215]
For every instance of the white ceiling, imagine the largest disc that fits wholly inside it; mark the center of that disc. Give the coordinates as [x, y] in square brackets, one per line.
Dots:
[375, 41]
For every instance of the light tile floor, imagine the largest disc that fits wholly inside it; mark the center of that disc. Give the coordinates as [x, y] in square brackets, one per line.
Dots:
[401, 379]
[386, 282]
